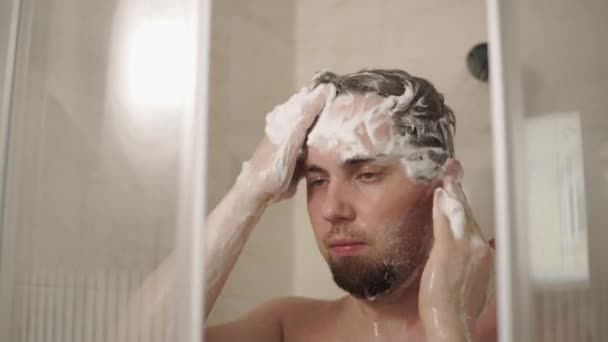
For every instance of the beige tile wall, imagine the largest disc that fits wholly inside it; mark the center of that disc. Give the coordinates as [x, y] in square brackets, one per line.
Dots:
[251, 71]
[429, 39]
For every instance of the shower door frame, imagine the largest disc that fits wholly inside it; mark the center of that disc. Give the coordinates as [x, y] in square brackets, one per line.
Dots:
[513, 287]
[6, 253]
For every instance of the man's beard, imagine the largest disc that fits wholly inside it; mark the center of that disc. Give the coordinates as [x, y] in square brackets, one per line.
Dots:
[368, 276]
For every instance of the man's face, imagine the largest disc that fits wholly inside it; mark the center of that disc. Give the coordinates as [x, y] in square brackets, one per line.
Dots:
[371, 221]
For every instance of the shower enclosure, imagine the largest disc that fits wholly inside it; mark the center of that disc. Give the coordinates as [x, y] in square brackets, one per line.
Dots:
[103, 115]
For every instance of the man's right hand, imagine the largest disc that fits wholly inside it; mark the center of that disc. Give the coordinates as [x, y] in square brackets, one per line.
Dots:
[270, 171]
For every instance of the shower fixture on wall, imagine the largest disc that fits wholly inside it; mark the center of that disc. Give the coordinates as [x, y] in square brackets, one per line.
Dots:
[477, 61]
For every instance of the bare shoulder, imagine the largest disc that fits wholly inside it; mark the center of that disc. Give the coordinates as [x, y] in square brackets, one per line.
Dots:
[275, 320]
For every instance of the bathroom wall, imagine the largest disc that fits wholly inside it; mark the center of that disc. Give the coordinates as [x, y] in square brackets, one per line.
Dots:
[252, 65]
[429, 39]
[93, 174]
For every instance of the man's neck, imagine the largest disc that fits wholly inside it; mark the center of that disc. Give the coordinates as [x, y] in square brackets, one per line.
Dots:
[399, 305]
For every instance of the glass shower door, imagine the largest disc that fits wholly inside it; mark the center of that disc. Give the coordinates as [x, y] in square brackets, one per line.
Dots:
[550, 81]
[104, 167]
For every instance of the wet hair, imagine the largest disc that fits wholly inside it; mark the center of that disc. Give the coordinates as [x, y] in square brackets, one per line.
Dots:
[425, 120]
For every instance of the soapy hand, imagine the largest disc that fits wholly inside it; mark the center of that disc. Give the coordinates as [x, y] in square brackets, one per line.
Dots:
[270, 171]
[457, 273]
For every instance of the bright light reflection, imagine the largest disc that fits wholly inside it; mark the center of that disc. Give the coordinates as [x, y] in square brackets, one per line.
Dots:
[150, 82]
[155, 65]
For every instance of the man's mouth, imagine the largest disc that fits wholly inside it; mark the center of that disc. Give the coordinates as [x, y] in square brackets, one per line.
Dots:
[346, 247]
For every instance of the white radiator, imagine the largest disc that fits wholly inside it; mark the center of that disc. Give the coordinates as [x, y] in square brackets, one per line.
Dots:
[577, 315]
[75, 307]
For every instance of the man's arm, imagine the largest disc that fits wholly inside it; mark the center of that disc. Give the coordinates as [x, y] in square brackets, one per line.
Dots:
[226, 235]
[228, 228]
[267, 177]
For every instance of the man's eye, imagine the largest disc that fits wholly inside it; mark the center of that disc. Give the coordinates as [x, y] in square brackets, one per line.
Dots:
[369, 176]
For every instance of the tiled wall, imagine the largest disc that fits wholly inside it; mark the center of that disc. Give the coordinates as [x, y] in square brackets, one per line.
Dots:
[251, 71]
[429, 39]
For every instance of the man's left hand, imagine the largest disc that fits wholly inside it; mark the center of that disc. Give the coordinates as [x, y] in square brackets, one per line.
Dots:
[457, 273]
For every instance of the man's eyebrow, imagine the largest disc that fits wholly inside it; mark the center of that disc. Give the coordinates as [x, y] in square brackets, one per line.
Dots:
[376, 159]
[354, 161]
[313, 168]
[360, 159]
[357, 160]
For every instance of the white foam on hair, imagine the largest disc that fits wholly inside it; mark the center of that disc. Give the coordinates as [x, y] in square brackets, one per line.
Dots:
[333, 131]
[418, 163]
[284, 119]
[340, 132]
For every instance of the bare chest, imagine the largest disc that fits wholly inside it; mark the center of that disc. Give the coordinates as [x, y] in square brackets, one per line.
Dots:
[334, 329]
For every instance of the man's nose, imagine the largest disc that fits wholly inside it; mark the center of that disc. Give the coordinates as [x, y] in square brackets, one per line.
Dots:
[337, 206]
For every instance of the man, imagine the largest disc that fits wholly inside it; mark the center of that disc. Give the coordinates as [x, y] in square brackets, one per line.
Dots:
[387, 210]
